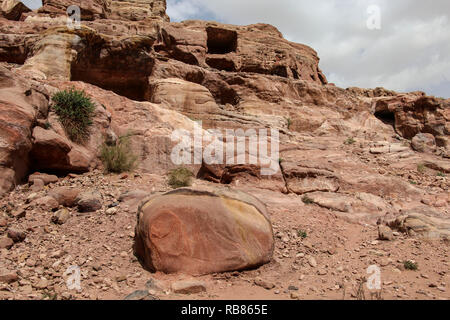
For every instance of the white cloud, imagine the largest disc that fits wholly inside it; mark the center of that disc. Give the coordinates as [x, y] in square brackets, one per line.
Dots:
[410, 52]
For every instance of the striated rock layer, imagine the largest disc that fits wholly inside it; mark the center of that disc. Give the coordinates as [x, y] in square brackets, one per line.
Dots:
[203, 231]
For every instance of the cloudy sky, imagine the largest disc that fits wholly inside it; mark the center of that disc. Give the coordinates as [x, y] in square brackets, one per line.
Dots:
[410, 52]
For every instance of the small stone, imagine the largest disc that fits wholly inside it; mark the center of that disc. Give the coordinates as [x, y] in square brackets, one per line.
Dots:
[66, 296]
[27, 289]
[61, 216]
[111, 211]
[114, 204]
[47, 203]
[97, 267]
[65, 196]
[89, 201]
[293, 288]
[41, 284]
[38, 185]
[154, 285]
[57, 254]
[295, 296]
[46, 178]
[121, 278]
[322, 272]
[385, 262]
[8, 277]
[6, 243]
[140, 295]
[188, 287]
[385, 233]
[19, 213]
[3, 222]
[16, 235]
[32, 196]
[56, 264]
[396, 270]
[312, 262]
[264, 284]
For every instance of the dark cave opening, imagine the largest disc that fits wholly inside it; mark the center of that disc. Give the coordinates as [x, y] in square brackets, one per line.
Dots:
[125, 72]
[221, 41]
[387, 117]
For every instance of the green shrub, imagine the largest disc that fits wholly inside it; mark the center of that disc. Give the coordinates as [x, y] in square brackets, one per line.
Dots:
[350, 141]
[409, 265]
[421, 168]
[289, 123]
[302, 234]
[307, 200]
[441, 174]
[75, 111]
[180, 177]
[118, 158]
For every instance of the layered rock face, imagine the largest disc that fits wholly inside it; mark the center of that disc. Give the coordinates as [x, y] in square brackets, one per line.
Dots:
[348, 150]
[203, 231]
[137, 10]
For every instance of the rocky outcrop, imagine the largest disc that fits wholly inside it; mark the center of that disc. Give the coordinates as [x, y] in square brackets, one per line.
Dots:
[89, 9]
[21, 103]
[430, 228]
[415, 113]
[137, 10]
[13, 9]
[203, 231]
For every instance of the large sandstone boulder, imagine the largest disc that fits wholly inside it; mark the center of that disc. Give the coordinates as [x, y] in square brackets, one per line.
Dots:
[203, 231]
[424, 142]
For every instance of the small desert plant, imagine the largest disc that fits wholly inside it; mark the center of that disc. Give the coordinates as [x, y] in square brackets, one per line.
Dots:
[412, 182]
[75, 111]
[49, 296]
[307, 200]
[350, 141]
[440, 174]
[180, 177]
[421, 168]
[410, 265]
[302, 234]
[47, 125]
[360, 293]
[118, 157]
[289, 123]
